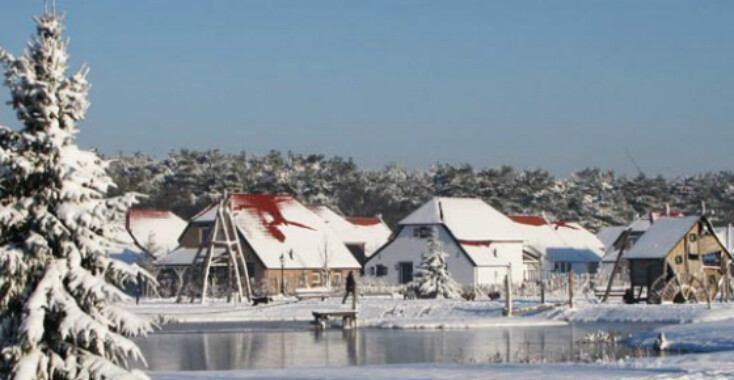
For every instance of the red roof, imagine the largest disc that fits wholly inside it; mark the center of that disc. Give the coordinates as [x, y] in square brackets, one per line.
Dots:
[672, 214]
[266, 207]
[475, 243]
[138, 214]
[148, 214]
[531, 220]
[364, 221]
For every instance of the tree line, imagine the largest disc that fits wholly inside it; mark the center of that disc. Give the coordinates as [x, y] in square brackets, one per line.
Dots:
[185, 181]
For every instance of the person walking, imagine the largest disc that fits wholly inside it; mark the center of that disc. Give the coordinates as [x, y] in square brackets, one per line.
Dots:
[350, 287]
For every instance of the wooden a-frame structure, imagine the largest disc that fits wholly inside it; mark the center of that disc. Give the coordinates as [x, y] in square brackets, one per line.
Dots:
[224, 235]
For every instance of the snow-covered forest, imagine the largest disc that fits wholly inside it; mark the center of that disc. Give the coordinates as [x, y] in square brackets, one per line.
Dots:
[185, 181]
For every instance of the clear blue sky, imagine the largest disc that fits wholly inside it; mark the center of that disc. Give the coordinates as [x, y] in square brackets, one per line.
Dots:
[558, 85]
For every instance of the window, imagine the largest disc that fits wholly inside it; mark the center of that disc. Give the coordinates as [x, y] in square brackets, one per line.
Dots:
[204, 233]
[592, 267]
[336, 279]
[679, 260]
[315, 279]
[562, 267]
[422, 232]
[692, 238]
[712, 259]
[381, 270]
[251, 270]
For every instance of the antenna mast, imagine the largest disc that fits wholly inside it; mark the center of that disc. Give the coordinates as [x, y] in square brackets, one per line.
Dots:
[629, 155]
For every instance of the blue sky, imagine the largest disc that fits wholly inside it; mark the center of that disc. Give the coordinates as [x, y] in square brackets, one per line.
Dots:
[558, 85]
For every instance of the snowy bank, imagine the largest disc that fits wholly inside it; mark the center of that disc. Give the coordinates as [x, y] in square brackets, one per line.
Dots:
[695, 337]
[643, 313]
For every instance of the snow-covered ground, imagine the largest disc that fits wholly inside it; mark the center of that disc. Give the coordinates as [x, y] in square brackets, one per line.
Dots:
[588, 312]
[382, 313]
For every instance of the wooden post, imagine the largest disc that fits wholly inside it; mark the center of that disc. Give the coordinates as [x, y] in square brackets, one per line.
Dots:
[354, 296]
[625, 234]
[508, 292]
[208, 262]
[570, 288]
[727, 289]
[542, 291]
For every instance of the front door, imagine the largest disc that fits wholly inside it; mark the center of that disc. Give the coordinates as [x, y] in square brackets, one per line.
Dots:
[405, 274]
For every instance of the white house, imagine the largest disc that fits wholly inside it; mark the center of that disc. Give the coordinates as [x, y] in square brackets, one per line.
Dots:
[480, 241]
[563, 246]
[362, 236]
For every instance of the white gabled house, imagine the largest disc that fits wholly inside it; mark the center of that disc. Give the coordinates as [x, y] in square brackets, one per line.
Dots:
[562, 246]
[481, 243]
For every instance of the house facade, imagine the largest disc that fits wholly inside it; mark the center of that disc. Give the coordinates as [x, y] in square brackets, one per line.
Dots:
[482, 244]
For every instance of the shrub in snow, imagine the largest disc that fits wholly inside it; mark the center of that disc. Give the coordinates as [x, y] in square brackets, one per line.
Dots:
[433, 279]
[57, 284]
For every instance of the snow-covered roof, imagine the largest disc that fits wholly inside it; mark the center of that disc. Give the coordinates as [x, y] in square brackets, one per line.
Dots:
[642, 223]
[155, 231]
[559, 241]
[609, 235]
[371, 232]
[275, 225]
[468, 219]
[661, 237]
[184, 256]
[637, 227]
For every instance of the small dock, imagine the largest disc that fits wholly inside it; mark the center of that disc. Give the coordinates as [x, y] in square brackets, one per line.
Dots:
[349, 318]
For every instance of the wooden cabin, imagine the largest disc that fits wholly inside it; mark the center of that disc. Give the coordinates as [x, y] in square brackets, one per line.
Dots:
[678, 260]
[285, 245]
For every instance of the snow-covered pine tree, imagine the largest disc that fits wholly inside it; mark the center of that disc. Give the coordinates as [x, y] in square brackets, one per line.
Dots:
[433, 279]
[57, 284]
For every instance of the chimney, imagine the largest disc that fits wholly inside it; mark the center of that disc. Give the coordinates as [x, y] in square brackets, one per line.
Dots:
[652, 217]
[667, 209]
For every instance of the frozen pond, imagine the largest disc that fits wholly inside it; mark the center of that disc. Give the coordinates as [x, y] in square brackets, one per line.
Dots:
[223, 346]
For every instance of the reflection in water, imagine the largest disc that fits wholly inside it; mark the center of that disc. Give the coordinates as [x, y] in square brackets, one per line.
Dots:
[245, 347]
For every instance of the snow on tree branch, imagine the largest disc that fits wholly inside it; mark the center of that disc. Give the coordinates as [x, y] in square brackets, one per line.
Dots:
[57, 283]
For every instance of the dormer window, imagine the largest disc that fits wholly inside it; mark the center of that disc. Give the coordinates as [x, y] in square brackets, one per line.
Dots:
[422, 232]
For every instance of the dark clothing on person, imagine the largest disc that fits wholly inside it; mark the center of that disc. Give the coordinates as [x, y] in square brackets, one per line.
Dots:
[350, 282]
[350, 287]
